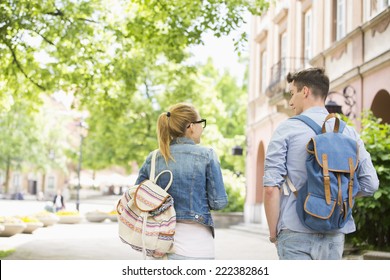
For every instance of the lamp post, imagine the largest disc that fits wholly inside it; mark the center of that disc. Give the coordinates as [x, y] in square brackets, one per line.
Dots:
[237, 151]
[333, 107]
[348, 98]
[82, 125]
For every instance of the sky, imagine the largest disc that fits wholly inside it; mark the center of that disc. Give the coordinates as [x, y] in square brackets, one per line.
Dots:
[221, 50]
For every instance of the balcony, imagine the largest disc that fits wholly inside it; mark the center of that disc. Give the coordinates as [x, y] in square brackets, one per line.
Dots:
[277, 89]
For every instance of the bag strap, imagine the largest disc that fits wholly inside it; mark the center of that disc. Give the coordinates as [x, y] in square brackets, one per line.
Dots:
[312, 124]
[153, 171]
[153, 166]
[288, 185]
[144, 216]
[339, 124]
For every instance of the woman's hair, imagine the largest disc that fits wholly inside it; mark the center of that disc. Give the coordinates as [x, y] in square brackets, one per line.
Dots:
[173, 124]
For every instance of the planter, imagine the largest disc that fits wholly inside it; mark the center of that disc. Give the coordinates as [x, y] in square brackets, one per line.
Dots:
[96, 217]
[70, 219]
[113, 217]
[48, 219]
[30, 227]
[225, 220]
[12, 229]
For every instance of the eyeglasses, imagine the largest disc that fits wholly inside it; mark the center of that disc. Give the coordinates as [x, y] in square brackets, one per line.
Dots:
[201, 121]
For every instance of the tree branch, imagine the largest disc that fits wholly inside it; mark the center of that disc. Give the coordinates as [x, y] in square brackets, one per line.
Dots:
[57, 13]
[21, 68]
[87, 20]
[44, 38]
[147, 90]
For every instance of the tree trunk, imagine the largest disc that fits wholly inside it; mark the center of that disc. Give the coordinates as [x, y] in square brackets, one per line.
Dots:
[7, 176]
[43, 183]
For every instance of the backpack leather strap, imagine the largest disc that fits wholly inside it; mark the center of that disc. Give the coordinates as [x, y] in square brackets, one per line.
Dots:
[336, 124]
[350, 184]
[326, 178]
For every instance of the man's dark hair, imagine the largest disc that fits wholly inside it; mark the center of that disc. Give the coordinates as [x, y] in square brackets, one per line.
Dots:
[313, 78]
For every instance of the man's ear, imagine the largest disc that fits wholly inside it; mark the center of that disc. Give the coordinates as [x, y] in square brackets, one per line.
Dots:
[306, 91]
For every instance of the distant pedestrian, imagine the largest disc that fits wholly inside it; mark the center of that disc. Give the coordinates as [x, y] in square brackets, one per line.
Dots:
[197, 185]
[59, 201]
[285, 157]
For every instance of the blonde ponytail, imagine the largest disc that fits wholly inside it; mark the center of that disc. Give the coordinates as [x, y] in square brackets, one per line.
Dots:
[173, 124]
[164, 139]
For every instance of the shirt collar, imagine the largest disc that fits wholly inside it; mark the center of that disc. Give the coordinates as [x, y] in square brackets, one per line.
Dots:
[316, 109]
[182, 140]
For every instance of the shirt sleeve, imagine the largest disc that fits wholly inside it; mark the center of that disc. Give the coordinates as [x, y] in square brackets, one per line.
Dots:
[366, 173]
[275, 168]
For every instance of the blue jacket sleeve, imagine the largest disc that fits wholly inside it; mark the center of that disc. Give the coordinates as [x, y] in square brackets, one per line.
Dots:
[216, 192]
[144, 172]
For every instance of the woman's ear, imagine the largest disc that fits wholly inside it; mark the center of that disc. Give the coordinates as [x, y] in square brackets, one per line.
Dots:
[189, 130]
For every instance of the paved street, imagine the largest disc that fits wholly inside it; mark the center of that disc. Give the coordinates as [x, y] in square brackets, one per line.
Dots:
[100, 241]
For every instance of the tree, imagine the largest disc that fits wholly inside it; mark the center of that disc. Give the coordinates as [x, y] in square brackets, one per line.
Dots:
[18, 138]
[90, 45]
[123, 60]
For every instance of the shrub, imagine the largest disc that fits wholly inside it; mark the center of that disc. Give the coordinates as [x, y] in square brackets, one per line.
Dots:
[6, 253]
[371, 214]
[235, 190]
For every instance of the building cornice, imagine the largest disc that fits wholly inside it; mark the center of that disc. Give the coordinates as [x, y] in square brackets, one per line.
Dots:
[365, 69]
[379, 22]
[378, 62]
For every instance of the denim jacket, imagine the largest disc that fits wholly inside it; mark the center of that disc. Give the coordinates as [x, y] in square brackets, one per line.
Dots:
[197, 185]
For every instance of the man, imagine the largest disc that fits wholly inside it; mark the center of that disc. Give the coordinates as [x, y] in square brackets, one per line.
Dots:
[286, 156]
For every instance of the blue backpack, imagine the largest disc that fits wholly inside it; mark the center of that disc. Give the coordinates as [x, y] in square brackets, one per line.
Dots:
[325, 202]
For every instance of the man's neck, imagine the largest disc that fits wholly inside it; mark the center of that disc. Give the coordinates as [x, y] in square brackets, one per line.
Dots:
[314, 103]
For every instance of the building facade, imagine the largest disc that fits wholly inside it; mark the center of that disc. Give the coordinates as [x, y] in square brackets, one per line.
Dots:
[349, 38]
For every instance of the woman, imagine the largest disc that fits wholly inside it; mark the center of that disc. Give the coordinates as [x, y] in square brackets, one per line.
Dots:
[197, 185]
[58, 201]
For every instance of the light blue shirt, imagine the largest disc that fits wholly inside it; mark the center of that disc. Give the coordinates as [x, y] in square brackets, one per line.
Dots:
[286, 155]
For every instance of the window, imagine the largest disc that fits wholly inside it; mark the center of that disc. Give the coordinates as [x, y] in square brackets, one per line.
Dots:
[378, 6]
[50, 182]
[263, 71]
[307, 41]
[340, 19]
[16, 182]
[283, 55]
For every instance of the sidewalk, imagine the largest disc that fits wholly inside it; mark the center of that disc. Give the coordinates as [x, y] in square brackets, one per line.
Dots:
[100, 241]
